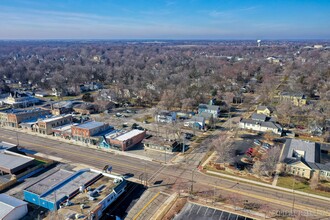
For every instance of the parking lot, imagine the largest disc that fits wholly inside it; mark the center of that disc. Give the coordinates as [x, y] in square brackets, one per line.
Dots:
[196, 212]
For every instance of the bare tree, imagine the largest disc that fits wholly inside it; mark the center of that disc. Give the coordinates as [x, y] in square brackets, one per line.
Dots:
[224, 148]
[314, 181]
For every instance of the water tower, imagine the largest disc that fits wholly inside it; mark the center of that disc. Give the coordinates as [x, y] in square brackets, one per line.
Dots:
[259, 42]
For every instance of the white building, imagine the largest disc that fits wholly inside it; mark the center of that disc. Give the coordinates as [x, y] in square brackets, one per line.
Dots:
[12, 208]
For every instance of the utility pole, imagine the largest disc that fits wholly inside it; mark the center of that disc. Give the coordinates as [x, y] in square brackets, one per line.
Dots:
[165, 153]
[183, 143]
[17, 139]
[293, 200]
[192, 181]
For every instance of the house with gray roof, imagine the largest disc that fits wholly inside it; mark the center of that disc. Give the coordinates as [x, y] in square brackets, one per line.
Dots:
[213, 109]
[196, 122]
[303, 158]
[297, 98]
[262, 123]
[258, 117]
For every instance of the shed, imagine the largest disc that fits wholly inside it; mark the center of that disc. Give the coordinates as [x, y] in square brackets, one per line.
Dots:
[12, 208]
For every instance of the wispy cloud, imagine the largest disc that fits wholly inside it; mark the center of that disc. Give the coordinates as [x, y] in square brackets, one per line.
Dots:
[228, 13]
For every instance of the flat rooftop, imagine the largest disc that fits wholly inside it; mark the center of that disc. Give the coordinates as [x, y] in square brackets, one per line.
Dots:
[55, 118]
[128, 135]
[71, 186]
[10, 162]
[82, 198]
[49, 182]
[5, 145]
[65, 128]
[20, 111]
[90, 124]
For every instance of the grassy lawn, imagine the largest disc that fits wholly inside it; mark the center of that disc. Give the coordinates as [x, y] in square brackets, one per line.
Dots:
[207, 155]
[287, 182]
[147, 118]
[248, 177]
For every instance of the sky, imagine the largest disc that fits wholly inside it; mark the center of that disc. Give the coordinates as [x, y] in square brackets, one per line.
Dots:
[165, 19]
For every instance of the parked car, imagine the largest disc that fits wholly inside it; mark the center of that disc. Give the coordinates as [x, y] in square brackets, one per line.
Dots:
[188, 136]
[266, 145]
[257, 142]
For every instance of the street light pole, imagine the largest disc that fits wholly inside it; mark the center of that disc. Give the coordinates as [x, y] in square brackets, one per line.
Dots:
[17, 138]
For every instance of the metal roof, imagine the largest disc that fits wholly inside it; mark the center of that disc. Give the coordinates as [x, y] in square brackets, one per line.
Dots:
[90, 125]
[267, 124]
[6, 145]
[8, 204]
[54, 118]
[129, 135]
[49, 182]
[9, 162]
[311, 150]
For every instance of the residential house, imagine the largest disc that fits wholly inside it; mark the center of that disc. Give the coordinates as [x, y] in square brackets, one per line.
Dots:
[297, 98]
[303, 158]
[165, 117]
[123, 140]
[213, 109]
[92, 86]
[45, 126]
[262, 123]
[262, 109]
[259, 117]
[13, 117]
[196, 122]
[85, 132]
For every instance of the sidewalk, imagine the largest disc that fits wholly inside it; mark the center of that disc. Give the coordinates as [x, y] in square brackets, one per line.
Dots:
[116, 152]
[267, 185]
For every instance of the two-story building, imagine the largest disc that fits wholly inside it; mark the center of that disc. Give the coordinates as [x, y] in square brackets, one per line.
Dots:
[297, 98]
[45, 126]
[262, 109]
[212, 109]
[13, 117]
[165, 117]
[85, 132]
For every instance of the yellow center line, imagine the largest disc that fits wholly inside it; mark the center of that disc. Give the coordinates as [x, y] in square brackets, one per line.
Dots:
[80, 154]
[146, 205]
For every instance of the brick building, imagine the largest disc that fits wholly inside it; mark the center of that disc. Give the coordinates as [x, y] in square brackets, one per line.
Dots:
[125, 140]
[13, 117]
[84, 132]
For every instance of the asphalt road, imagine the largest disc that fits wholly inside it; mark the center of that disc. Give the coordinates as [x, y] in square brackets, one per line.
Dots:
[168, 175]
